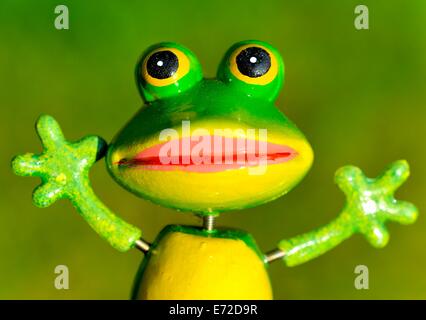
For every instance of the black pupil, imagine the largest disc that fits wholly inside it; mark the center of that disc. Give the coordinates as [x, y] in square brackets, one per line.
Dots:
[253, 62]
[162, 64]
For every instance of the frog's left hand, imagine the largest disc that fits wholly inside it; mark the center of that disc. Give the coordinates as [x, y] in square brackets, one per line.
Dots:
[370, 202]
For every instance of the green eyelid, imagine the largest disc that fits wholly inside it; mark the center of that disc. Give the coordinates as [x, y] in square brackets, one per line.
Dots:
[267, 86]
[187, 73]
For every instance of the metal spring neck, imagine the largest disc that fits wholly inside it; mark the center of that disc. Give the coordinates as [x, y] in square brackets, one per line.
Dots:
[208, 222]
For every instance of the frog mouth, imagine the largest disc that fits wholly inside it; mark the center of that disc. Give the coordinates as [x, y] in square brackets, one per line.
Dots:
[208, 154]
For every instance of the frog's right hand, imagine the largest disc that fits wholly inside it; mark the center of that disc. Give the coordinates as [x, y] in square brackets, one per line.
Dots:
[63, 167]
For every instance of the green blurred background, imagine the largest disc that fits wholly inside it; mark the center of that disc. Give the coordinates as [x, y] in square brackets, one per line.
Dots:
[359, 96]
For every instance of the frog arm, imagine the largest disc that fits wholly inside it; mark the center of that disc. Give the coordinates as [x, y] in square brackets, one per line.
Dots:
[369, 204]
[63, 167]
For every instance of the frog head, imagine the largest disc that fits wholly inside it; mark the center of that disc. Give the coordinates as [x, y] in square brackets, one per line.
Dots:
[209, 145]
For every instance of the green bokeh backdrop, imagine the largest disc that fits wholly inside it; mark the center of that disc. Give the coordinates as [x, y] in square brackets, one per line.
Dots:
[359, 96]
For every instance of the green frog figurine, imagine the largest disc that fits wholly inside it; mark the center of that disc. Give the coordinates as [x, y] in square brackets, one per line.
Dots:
[208, 146]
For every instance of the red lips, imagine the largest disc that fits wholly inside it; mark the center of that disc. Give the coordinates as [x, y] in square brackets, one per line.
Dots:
[209, 154]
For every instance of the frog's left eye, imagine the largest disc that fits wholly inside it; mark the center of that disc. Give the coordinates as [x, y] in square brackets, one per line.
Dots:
[167, 69]
[253, 67]
[253, 64]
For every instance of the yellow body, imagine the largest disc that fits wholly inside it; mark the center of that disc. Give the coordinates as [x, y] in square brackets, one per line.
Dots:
[190, 266]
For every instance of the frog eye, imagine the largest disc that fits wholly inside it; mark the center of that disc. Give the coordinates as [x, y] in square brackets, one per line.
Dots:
[165, 66]
[253, 66]
[167, 69]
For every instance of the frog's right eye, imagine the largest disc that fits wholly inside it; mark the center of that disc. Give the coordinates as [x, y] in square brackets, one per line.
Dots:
[165, 70]
[165, 66]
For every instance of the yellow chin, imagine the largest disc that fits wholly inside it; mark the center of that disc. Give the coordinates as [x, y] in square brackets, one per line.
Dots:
[207, 192]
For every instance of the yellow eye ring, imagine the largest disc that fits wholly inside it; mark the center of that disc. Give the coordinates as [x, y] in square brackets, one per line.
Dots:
[264, 79]
[183, 66]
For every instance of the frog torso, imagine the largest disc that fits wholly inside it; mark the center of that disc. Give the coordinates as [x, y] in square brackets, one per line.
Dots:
[189, 263]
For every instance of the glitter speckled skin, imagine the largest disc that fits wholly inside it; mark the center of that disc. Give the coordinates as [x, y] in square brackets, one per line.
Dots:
[171, 83]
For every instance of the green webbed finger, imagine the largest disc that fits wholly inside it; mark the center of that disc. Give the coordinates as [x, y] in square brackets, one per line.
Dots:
[49, 132]
[393, 176]
[63, 167]
[402, 212]
[369, 205]
[376, 234]
[46, 194]
[348, 178]
[28, 165]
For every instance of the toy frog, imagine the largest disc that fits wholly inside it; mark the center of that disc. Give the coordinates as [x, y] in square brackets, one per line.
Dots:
[171, 153]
